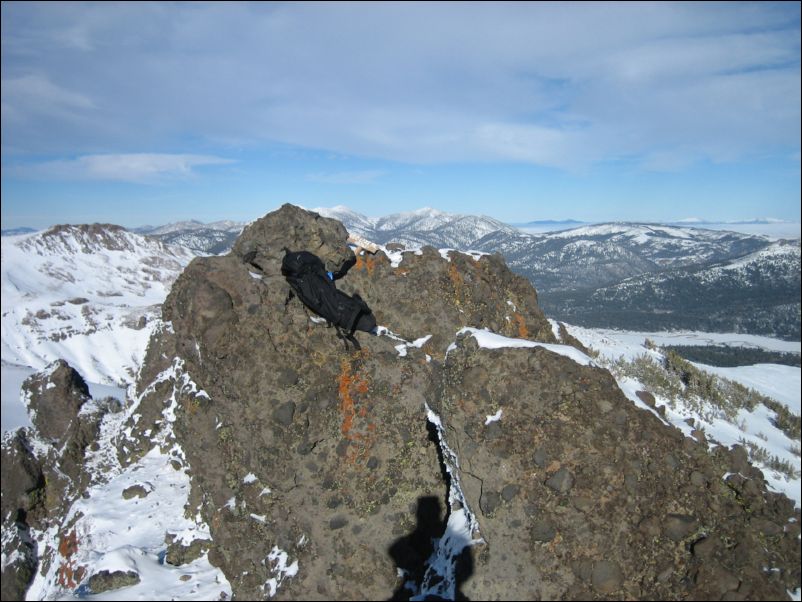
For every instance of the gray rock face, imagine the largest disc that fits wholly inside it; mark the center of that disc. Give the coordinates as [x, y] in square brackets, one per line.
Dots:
[605, 514]
[607, 577]
[21, 474]
[561, 481]
[57, 399]
[569, 487]
[262, 243]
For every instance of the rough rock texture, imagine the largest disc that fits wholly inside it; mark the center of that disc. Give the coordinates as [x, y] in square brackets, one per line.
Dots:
[57, 401]
[302, 449]
[105, 581]
[606, 503]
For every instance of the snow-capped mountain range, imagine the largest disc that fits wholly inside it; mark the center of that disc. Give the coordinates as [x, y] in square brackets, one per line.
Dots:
[204, 239]
[418, 228]
[603, 275]
[87, 294]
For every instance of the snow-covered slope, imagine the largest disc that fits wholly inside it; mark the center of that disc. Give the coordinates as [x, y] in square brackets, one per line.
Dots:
[86, 294]
[601, 254]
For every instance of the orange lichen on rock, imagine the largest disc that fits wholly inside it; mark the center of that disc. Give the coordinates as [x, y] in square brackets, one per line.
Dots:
[523, 331]
[68, 575]
[355, 406]
[365, 262]
[457, 281]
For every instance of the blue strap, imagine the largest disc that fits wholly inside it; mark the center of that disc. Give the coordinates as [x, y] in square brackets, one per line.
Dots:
[330, 275]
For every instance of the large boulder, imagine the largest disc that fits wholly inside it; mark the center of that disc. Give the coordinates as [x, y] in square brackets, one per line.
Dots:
[322, 475]
[262, 244]
[582, 495]
[64, 414]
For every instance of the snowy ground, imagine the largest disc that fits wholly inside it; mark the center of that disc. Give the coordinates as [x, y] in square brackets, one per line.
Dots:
[630, 343]
[773, 380]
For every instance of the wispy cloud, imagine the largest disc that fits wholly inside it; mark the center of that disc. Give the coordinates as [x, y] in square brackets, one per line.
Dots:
[545, 83]
[131, 167]
[36, 93]
[346, 177]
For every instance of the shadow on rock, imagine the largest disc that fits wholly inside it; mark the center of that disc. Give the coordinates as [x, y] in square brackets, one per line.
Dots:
[412, 552]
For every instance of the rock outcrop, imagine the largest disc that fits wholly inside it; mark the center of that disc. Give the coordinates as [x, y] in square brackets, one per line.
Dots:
[428, 461]
[43, 467]
[582, 495]
[322, 475]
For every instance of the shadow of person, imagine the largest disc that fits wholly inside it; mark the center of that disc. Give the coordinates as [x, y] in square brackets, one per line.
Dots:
[411, 552]
[463, 569]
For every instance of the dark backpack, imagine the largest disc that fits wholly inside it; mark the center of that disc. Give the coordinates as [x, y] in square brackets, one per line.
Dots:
[309, 280]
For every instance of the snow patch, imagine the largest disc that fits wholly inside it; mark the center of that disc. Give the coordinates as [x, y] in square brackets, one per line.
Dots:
[491, 340]
[276, 561]
[493, 417]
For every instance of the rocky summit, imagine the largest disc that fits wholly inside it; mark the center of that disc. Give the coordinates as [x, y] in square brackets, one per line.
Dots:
[464, 451]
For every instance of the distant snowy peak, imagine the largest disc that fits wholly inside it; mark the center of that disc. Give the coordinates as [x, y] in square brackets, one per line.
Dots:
[18, 231]
[757, 220]
[203, 239]
[642, 233]
[551, 223]
[353, 221]
[424, 226]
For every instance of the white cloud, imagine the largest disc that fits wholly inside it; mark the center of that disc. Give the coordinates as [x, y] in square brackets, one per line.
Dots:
[131, 167]
[35, 92]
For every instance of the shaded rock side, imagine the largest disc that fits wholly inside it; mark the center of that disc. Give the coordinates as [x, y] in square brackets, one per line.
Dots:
[605, 502]
[54, 398]
[64, 414]
[43, 467]
[311, 461]
[23, 484]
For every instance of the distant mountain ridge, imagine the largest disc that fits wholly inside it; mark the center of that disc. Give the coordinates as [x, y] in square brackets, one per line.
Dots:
[618, 274]
[17, 231]
[624, 275]
[418, 228]
[204, 239]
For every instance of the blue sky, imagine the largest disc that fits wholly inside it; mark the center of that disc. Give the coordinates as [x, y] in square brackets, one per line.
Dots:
[146, 113]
